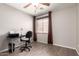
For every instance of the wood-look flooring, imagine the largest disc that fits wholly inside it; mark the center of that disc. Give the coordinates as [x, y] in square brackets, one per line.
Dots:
[40, 49]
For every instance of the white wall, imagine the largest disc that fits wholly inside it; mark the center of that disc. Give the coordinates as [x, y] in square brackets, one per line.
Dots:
[64, 27]
[12, 19]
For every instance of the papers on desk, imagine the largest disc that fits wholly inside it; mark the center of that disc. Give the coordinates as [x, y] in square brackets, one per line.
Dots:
[11, 32]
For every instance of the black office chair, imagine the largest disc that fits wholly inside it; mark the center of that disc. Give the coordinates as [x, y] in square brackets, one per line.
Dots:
[27, 42]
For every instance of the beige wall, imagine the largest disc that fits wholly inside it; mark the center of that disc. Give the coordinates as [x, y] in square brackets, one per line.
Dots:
[12, 19]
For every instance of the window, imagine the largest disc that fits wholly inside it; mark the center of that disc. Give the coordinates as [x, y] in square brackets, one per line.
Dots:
[42, 25]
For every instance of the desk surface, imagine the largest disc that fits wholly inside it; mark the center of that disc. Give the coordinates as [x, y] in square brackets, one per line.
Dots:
[14, 35]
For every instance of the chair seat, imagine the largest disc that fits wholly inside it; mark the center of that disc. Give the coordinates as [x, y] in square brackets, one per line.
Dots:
[24, 39]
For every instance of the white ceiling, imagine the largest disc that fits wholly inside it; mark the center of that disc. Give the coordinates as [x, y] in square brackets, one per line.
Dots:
[31, 9]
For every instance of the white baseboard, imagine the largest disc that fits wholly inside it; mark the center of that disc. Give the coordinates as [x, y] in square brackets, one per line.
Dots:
[77, 51]
[4, 50]
[65, 46]
[68, 48]
[7, 49]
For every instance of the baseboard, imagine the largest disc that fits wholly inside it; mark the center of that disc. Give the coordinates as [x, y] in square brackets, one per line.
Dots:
[77, 51]
[64, 46]
[7, 49]
[4, 50]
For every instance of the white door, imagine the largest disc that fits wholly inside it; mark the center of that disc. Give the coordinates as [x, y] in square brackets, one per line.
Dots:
[42, 30]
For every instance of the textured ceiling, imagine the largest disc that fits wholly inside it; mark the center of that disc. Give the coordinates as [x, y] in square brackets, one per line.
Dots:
[31, 10]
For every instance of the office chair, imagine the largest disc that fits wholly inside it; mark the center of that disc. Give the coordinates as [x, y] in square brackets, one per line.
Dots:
[26, 40]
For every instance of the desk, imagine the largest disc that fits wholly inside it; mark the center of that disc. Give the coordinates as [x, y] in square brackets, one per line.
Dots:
[11, 45]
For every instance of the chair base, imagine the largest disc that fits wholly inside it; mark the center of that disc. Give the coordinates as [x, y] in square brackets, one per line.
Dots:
[24, 48]
[30, 46]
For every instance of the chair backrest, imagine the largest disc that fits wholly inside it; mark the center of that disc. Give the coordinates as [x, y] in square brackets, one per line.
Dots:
[29, 34]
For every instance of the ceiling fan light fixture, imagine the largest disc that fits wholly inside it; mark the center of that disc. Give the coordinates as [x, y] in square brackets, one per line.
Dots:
[35, 4]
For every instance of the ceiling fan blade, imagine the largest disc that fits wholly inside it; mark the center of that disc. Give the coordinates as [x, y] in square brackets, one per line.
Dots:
[27, 5]
[47, 4]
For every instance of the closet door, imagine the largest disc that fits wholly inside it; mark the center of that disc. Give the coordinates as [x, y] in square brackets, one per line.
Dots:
[42, 30]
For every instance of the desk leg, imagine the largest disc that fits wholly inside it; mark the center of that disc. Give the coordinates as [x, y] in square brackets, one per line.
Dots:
[12, 46]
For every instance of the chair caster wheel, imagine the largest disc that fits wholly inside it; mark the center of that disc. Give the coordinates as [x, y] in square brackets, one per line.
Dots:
[28, 49]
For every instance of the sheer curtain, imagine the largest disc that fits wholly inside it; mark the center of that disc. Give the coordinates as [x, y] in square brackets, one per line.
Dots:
[42, 30]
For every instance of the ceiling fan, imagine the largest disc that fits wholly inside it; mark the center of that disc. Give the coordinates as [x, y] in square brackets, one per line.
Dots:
[36, 5]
